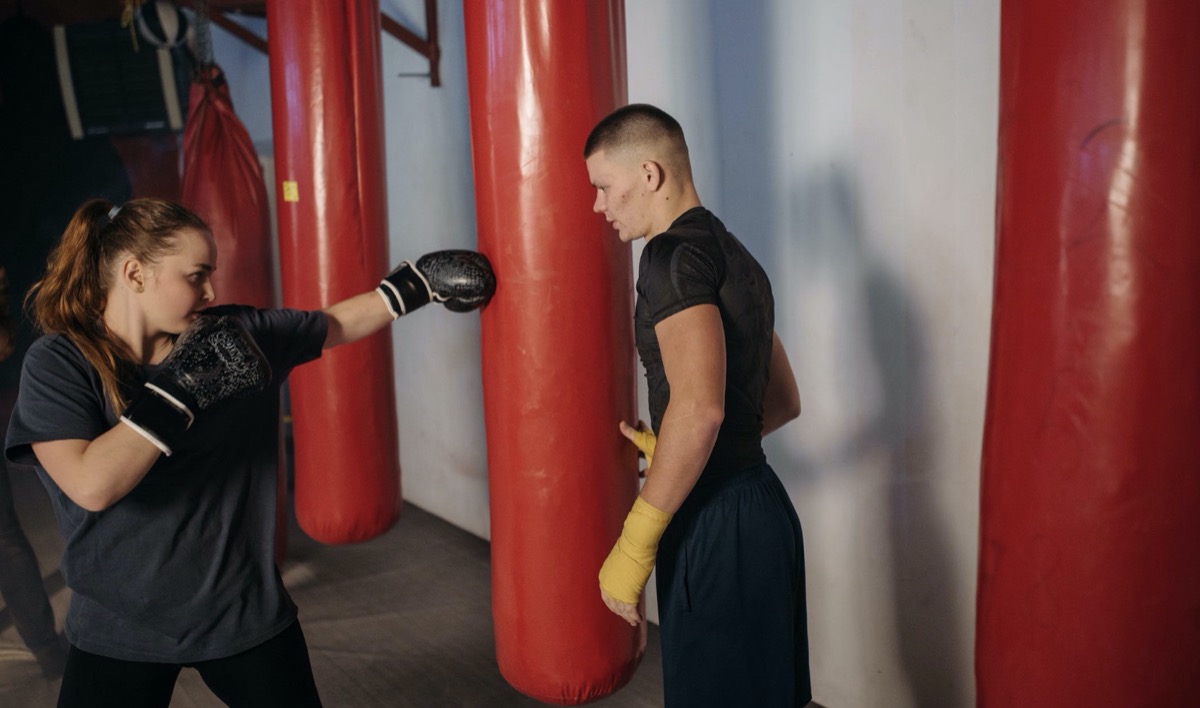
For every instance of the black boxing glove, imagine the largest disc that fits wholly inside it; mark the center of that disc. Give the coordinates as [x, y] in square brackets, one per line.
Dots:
[460, 280]
[214, 360]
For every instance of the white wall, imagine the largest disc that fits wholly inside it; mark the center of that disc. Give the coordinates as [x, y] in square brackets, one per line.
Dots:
[851, 145]
[430, 206]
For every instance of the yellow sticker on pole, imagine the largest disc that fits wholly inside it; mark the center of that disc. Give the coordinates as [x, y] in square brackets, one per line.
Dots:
[291, 191]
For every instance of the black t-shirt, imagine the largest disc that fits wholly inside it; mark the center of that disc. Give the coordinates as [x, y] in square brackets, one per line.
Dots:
[182, 568]
[695, 262]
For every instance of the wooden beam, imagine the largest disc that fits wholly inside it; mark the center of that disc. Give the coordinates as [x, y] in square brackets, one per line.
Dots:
[237, 30]
[426, 47]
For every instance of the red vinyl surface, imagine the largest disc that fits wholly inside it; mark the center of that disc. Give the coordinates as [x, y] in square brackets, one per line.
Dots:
[223, 183]
[327, 116]
[1089, 585]
[558, 357]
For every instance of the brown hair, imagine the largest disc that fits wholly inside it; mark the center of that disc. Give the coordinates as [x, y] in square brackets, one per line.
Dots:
[70, 297]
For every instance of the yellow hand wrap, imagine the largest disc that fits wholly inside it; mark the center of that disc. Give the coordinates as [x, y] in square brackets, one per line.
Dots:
[645, 441]
[627, 568]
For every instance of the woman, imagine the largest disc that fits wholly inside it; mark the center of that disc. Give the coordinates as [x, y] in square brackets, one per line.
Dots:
[160, 450]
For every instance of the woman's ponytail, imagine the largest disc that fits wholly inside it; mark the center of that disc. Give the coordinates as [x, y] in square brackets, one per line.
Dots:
[69, 299]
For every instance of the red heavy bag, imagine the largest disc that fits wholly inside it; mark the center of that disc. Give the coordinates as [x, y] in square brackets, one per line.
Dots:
[558, 356]
[327, 114]
[1089, 585]
[223, 183]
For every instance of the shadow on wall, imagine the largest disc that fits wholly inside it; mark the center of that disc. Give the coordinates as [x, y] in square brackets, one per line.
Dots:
[924, 588]
[821, 248]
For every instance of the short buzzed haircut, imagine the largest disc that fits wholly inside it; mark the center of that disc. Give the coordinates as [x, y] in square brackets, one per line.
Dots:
[639, 124]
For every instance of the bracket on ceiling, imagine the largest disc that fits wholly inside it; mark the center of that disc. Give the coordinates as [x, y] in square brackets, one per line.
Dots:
[428, 47]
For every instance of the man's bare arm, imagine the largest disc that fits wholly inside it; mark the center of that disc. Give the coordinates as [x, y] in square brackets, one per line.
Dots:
[692, 343]
[781, 403]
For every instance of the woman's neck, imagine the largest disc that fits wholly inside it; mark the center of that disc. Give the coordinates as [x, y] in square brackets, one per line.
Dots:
[126, 321]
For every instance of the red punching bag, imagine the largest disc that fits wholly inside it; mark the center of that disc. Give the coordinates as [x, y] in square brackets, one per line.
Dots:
[327, 115]
[557, 341]
[1089, 585]
[223, 183]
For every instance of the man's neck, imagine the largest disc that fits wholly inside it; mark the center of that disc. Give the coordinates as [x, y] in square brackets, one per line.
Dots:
[674, 206]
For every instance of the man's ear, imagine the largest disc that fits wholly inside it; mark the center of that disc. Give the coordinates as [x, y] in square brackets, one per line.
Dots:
[133, 275]
[653, 175]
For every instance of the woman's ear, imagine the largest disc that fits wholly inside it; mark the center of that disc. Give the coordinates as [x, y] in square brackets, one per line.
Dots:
[133, 275]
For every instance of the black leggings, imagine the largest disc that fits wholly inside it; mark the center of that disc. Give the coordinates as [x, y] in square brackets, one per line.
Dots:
[274, 673]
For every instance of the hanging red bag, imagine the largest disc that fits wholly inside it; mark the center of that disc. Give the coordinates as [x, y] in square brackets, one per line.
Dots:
[223, 183]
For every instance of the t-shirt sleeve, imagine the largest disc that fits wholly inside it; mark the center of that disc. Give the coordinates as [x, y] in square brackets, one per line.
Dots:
[678, 275]
[59, 398]
[287, 337]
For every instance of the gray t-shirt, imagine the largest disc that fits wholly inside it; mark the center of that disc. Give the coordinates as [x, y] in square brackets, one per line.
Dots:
[182, 568]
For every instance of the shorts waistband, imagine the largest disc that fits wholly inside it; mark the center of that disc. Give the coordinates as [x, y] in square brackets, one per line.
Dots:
[710, 485]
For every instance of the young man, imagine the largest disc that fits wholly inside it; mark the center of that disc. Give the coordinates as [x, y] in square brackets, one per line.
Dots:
[711, 513]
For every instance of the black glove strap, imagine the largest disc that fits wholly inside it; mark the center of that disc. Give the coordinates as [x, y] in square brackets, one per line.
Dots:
[154, 416]
[404, 290]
